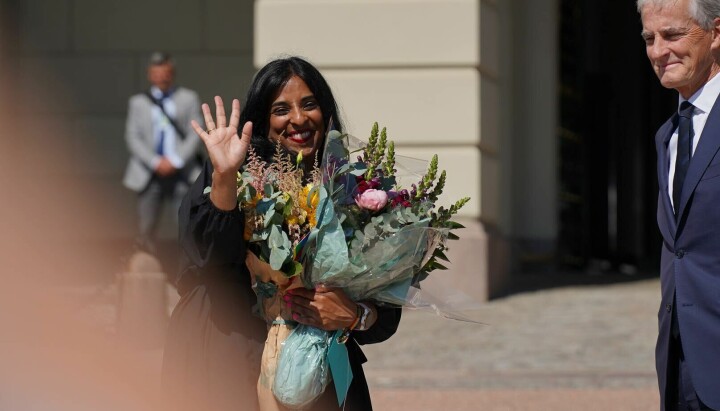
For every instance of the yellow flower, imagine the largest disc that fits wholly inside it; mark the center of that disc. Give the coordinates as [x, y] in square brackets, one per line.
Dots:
[311, 217]
[314, 200]
[292, 219]
[315, 197]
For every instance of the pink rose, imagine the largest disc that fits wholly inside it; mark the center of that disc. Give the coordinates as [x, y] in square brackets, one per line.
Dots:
[371, 199]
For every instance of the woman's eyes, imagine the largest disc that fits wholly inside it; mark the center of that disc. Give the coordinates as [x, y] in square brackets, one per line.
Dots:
[284, 110]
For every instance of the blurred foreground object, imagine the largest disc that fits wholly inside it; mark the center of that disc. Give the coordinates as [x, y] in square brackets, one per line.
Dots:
[53, 355]
[142, 302]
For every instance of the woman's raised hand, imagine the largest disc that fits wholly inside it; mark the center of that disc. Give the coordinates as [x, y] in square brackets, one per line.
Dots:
[226, 149]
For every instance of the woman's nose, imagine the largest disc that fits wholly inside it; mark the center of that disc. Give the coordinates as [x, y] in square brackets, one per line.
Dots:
[297, 116]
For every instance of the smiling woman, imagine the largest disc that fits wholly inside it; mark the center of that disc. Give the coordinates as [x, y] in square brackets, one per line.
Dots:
[214, 343]
[296, 120]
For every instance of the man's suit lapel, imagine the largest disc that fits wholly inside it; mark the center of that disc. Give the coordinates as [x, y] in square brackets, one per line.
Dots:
[665, 211]
[708, 145]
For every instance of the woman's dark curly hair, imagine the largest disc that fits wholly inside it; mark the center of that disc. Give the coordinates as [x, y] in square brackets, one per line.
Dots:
[265, 87]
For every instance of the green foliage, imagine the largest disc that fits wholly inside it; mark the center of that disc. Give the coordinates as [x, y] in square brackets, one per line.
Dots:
[280, 248]
[389, 165]
[375, 156]
[428, 179]
[381, 227]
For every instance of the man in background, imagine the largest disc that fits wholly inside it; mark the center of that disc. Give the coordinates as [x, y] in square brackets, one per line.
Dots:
[682, 41]
[163, 148]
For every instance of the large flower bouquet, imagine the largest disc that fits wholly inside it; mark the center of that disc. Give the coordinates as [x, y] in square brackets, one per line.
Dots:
[350, 224]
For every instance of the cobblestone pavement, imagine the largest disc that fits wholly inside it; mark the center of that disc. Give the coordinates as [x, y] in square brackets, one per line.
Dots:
[585, 347]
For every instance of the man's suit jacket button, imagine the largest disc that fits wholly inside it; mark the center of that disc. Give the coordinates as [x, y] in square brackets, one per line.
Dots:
[668, 307]
[680, 253]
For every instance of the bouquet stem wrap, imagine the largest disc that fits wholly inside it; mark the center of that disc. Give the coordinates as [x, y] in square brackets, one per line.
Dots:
[271, 286]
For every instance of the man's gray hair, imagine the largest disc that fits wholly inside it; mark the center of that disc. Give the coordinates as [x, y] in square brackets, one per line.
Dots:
[703, 12]
[160, 57]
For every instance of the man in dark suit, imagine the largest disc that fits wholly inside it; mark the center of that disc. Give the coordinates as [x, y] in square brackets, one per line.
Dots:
[682, 39]
[163, 148]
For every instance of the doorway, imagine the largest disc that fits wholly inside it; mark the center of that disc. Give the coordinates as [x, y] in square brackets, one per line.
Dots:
[611, 104]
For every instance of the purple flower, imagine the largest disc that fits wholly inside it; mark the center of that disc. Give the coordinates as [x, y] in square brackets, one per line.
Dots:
[400, 198]
[363, 185]
[371, 199]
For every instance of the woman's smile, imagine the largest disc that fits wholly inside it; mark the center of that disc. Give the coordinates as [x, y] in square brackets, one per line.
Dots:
[300, 136]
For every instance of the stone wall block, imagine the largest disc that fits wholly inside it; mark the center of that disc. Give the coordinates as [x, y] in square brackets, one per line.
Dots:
[418, 106]
[210, 75]
[93, 84]
[358, 33]
[229, 26]
[99, 145]
[132, 25]
[44, 25]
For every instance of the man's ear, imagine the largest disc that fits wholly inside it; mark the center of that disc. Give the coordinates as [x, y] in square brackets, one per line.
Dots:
[716, 34]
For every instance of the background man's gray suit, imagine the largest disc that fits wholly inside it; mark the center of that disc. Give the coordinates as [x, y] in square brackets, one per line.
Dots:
[140, 175]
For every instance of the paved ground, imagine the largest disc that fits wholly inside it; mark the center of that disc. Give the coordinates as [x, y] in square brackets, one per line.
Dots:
[584, 347]
[562, 347]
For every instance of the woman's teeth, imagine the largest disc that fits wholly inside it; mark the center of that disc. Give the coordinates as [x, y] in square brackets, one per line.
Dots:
[300, 136]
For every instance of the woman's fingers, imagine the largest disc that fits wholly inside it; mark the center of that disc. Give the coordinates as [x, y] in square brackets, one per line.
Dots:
[198, 130]
[235, 114]
[303, 313]
[209, 123]
[246, 133]
[220, 112]
[327, 308]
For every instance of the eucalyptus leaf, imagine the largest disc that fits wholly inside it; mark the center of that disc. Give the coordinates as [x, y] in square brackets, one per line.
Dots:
[276, 237]
[248, 193]
[360, 236]
[268, 217]
[343, 169]
[278, 257]
[264, 205]
[358, 169]
[313, 191]
[279, 248]
[388, 183]
[370, 230]
[288, 208]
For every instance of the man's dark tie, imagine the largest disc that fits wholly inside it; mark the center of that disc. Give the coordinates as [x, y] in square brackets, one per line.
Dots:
[684, 151]
[160, 148]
